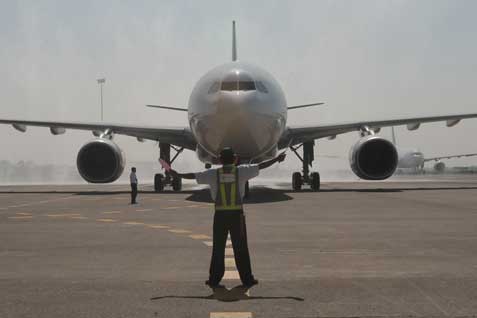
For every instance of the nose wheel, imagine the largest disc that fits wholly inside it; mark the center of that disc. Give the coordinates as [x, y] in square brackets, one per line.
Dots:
[312, 179]
[163, 180]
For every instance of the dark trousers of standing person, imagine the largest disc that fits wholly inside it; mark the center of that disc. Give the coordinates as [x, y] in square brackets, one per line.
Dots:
[233, 222]
[133, 192]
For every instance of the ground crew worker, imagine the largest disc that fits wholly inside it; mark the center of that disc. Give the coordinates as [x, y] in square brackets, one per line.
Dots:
[133, 180]
[227, 186]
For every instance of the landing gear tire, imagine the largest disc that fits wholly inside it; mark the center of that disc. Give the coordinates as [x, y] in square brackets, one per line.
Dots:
[158, 182]
[297, 181]
[315, 181]
[247, 190]
[177, 184]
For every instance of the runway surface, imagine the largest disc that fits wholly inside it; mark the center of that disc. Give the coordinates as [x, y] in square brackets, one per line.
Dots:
[354, 249]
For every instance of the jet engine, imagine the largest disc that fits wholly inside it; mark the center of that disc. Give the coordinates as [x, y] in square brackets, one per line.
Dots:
[439, 166]
[100, 161]
[373, 158]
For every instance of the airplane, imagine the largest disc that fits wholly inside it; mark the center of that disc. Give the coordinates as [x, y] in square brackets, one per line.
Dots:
[239, 105]
[415, 159]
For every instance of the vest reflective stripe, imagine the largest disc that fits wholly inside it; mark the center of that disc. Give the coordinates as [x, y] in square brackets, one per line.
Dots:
[228, 197]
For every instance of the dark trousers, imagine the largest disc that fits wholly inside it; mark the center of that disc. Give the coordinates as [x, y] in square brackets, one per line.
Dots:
[133, 192]
[233, 222]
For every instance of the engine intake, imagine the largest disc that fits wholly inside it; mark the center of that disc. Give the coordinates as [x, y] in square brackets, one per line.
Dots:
[100, 161]
[373, 158]
[440, 166]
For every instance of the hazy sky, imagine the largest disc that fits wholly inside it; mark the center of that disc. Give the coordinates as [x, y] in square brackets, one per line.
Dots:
[365, 59]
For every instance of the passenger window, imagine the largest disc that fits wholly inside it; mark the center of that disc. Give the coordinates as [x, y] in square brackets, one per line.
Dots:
[261, 87]
[214, 88]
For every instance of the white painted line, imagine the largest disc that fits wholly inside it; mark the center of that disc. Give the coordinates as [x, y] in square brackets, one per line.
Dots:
[63, 215]
[106, 220]
[231, 275]
[231, 315]
[172, 208]
[229, 251]
[179, 231]
[230, 262]
[111, 212]
[143, 210]
[21, 213]
[208, 243]
[199, 237]
[79, 217]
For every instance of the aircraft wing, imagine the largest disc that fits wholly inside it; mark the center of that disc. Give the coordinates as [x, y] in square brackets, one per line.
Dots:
[297, 135]
[181, 137]
[450, 157]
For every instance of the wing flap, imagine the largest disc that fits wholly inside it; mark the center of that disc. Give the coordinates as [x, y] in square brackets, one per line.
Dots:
[178, 136]
[297, 135]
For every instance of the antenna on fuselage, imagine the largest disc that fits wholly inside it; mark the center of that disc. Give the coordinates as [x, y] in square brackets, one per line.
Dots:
[234, 43]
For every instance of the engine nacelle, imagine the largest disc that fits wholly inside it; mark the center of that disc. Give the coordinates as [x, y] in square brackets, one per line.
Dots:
[373, 158]
[100, 161]
[440, 166]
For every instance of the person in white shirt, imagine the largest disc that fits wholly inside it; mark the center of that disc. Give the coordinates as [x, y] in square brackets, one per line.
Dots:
[227, 187]
[133, 181]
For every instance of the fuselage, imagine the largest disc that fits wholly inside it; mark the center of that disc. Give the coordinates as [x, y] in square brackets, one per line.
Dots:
[237, 105]
[410, 159]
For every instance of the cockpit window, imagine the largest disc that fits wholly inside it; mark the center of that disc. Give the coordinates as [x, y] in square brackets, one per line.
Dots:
[238, 80]
[214, 88]
[261, 87]
[238, 86]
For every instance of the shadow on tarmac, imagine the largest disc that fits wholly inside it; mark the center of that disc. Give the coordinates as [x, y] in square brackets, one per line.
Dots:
[257, 195]
[223, 294]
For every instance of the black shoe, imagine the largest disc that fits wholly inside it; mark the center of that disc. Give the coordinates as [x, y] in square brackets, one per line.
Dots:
[251, 283]
[211, 284]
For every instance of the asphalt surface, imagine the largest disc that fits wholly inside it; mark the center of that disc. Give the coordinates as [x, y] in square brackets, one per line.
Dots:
[354, 249]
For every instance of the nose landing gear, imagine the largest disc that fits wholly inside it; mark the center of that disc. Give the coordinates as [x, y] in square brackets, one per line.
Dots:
[162, 180]
[299, 179]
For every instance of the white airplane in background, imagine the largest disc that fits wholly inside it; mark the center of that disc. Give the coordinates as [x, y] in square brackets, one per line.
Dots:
[241, 106]
[415, 159]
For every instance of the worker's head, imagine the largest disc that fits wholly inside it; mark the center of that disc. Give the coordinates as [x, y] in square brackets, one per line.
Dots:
[133, 169]
[227, 156]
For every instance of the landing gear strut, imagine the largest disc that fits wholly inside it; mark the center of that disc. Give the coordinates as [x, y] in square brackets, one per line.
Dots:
[313, 178]
[162, 180]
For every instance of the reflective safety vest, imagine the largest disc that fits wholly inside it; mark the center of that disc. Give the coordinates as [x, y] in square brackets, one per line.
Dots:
[228, 195]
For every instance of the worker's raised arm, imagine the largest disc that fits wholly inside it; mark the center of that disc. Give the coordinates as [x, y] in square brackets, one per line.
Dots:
[182, 175]
[268, 163]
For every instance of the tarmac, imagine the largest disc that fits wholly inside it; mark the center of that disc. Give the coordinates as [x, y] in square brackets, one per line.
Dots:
[402, 248]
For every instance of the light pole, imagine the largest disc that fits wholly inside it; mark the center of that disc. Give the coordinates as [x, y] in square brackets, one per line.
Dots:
[101, 82]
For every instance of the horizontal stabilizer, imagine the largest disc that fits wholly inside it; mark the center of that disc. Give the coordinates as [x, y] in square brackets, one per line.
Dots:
[168, 107]
[305, 105]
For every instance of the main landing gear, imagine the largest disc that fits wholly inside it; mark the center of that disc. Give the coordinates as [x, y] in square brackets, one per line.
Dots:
[163, 180]
[313, 178]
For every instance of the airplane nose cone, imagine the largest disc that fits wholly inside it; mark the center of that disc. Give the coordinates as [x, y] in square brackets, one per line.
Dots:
[239, 122]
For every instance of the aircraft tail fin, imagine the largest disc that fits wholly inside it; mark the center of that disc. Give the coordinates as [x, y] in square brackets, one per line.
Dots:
[234, 43]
